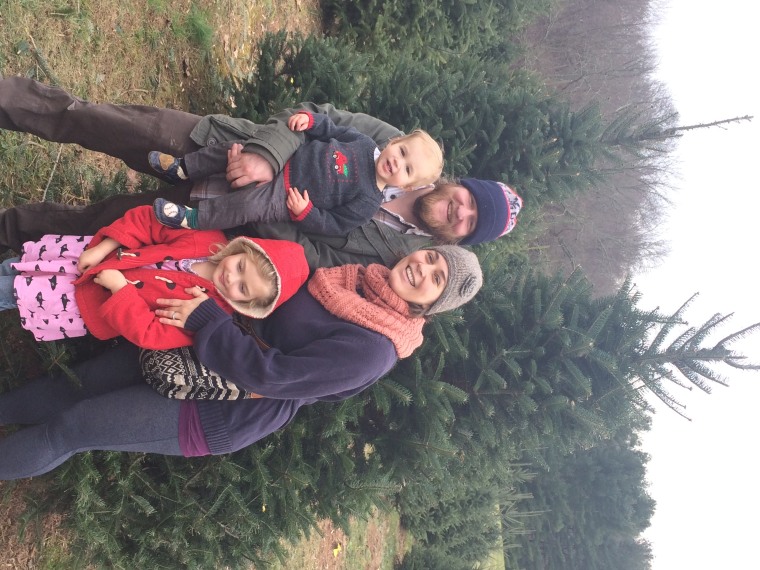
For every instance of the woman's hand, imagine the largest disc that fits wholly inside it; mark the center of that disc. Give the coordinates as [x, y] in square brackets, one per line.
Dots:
[111, 279]
[177, 311]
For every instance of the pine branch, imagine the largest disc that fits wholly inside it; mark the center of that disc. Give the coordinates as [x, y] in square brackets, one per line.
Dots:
[672, 131]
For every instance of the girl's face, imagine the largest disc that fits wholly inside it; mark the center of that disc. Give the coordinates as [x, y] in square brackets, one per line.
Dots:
[420, 277]
[238, 278]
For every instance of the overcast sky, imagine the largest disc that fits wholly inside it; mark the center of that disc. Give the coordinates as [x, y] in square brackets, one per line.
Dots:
[703, 473]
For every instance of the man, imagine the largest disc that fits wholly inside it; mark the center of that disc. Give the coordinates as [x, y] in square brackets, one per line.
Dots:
[469, 212]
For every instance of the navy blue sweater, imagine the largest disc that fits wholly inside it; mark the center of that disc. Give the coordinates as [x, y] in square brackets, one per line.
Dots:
[337, 167]
[315, 356]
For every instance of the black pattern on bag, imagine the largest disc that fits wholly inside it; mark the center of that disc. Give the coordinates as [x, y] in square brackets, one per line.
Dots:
[177, 373]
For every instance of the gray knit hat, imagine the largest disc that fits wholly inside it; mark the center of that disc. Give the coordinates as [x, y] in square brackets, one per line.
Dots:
[465, 278]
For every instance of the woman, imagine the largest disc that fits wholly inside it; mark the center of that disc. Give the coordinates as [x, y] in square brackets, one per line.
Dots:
[331, 340]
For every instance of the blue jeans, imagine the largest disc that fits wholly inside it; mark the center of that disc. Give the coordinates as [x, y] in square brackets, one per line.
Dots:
[7, 274]
[113, 410]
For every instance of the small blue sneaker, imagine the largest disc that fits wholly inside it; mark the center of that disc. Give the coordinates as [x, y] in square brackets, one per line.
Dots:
[168, 166]
[172, 215]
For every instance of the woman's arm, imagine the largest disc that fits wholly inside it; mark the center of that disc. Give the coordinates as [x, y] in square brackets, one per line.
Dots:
[341, 365]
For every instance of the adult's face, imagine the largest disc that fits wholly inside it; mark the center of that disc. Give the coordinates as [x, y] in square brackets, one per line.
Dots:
[449, 213]
[420, 277]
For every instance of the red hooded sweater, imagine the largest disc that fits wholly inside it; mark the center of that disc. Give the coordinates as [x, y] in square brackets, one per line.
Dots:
[130, 312]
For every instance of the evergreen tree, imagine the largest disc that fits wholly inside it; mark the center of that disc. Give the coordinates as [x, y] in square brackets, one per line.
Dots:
[595, 506]
[533, 364]
[536, 369]
[454, 514]
[435, 32]
[494, 122]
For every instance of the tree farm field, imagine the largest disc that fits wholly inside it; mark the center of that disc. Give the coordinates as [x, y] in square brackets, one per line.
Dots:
[165, 53]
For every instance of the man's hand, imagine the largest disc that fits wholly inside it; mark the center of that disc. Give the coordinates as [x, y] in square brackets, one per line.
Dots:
[111, 279]
[298, 122]
[244, 168]
[297, 203]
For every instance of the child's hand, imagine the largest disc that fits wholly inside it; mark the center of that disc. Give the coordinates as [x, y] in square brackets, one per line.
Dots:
[112, 279]
[298, 122]
[91, 257]
[297, 203]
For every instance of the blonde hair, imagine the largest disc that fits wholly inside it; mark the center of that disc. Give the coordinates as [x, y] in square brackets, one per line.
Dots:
[434, 150]
[263, 264]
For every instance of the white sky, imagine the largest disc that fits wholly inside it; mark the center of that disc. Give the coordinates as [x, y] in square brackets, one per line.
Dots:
[703, 473]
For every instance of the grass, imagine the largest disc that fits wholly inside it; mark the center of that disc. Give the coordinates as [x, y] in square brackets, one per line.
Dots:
[168, 53]
[198, 29]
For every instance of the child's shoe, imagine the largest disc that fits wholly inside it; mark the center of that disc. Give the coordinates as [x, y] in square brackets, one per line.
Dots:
[174, 215]
[168, 166]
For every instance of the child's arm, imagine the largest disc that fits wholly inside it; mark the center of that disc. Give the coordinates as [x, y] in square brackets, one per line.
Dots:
[299, 122]
[94, 255]
[297, 203]
[321, 128]
[128, 313]
[111, 279]
[337, 221]
[139, 227]
[378, 130]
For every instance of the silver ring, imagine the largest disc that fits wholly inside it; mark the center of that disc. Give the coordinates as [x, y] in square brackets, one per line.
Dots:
[173, 313]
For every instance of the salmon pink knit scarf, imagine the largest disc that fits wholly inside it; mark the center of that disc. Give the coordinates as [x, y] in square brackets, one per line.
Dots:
[362, 295]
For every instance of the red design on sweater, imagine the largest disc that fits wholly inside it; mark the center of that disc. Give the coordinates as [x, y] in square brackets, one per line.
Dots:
[341, 163]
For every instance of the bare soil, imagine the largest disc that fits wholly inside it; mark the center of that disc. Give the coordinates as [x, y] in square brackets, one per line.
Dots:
[20, 548]
[367, 548]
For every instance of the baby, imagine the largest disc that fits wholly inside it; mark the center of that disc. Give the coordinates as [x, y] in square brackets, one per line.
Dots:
[341, 171]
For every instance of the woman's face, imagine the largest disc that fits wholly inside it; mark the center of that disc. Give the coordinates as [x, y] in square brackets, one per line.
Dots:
[420, 277]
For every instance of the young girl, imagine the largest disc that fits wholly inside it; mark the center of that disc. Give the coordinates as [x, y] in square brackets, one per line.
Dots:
[110, 289]
[342, 172]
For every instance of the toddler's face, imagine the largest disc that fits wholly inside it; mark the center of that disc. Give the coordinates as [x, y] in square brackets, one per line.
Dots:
[238, 278]
[406, 163]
